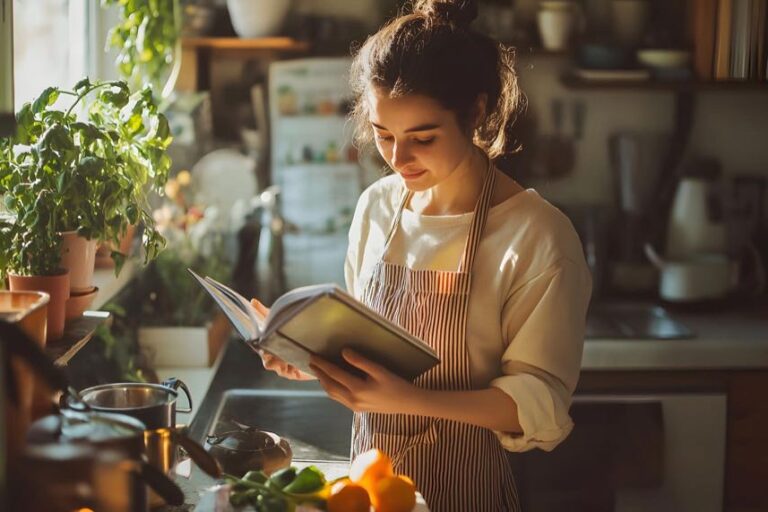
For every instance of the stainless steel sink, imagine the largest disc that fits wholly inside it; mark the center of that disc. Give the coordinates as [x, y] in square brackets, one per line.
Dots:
[317, 427]
[633, 321]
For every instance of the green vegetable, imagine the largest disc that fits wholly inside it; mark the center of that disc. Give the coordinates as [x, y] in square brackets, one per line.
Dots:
[282, 478]
[255, 476]
[309, 480]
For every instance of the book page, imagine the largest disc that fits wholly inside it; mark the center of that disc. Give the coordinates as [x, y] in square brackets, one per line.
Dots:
[247, 321]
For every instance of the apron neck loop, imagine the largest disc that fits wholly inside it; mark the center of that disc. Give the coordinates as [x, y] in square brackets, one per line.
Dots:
[478, 219]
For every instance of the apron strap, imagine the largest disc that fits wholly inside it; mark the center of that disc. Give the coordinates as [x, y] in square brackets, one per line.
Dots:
[478, 220]
[396, 219]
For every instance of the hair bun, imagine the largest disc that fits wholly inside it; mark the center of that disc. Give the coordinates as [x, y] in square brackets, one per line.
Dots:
[457, 12]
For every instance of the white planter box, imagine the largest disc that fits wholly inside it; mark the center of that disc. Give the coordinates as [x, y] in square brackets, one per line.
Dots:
[175, 346]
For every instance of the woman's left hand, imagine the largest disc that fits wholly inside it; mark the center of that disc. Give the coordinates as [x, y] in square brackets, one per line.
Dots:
[379, 391]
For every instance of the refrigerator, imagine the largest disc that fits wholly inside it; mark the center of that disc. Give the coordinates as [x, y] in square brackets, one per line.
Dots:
[315, 165]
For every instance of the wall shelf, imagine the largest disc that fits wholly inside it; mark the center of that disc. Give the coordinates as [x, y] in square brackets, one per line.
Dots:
[572, 82]
[238, 44]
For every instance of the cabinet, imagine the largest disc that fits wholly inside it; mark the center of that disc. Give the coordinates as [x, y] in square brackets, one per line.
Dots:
[745, 468]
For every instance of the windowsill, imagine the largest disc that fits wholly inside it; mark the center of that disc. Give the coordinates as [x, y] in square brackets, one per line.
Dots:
[109, 285]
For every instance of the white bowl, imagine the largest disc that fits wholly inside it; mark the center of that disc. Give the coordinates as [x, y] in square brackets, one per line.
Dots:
[665, 59]
[258, 18]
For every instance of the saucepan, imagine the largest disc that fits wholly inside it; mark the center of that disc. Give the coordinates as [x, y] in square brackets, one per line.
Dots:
[114, 432]
[152, 404]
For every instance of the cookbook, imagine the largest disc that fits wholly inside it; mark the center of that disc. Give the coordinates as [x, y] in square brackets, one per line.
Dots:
[322, 319]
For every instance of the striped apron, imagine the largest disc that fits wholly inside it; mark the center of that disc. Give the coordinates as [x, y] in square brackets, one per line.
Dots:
[456, 466]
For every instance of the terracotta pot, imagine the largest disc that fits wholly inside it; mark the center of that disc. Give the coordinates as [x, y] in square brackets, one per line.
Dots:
[57, 287]
[28, 310]
[78, 255]
[103, 254]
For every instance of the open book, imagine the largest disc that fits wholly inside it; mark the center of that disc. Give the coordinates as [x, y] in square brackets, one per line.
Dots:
[322, 319]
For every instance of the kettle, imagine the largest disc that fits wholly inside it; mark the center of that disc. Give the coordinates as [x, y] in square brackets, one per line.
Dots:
[696, 224]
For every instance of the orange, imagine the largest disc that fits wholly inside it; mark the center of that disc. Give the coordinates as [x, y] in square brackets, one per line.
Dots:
[348, 497]
[370, 467]
[394, 494]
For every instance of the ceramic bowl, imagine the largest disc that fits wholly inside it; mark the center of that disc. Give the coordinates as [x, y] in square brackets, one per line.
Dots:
[603, 56]
[663, 59]
[79, 302]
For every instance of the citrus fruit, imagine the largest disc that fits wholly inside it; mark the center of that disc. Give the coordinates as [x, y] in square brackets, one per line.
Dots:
[394, 494]
[370, 467]
[347, 496]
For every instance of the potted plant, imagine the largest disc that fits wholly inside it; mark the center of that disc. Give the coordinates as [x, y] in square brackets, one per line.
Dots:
[147, 39]
[91, 177]
[29, 257]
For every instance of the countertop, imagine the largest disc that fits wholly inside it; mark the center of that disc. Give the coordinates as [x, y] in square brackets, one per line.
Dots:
[724, 341]
[735, 339]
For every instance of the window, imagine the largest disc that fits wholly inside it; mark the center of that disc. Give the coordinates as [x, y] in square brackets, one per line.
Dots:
[51, 45]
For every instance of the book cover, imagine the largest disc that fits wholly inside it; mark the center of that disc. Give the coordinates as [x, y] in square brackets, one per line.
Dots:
[322, 320]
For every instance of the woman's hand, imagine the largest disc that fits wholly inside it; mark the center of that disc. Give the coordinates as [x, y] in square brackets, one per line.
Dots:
[274, 363]
[379, 391]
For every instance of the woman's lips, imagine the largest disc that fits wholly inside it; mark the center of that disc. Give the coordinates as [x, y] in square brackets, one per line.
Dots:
[412, 175]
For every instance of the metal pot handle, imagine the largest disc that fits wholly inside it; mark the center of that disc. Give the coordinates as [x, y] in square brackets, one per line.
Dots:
[175, 384]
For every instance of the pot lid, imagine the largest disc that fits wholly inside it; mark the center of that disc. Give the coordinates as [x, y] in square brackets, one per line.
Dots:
[95, 427]
[252, 440]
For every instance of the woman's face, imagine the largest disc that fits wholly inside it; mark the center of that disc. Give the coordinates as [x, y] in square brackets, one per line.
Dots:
[420, 140]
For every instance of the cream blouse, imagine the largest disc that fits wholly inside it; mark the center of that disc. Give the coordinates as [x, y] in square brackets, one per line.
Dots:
[528, 301]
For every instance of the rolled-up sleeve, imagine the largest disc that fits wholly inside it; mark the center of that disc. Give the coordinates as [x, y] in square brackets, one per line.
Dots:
[544, 322]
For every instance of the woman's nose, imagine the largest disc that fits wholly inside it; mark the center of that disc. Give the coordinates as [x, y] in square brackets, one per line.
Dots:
[401, 155]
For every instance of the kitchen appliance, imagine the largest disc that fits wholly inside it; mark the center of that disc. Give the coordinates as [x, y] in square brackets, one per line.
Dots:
[315, 166]
[636, 160]
[696, 223]
[631, 452]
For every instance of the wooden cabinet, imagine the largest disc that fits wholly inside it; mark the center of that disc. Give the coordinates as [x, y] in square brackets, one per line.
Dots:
[746, 457]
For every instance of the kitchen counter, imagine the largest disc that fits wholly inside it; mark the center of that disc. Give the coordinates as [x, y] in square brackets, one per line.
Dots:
[727, 349]
[723, 341]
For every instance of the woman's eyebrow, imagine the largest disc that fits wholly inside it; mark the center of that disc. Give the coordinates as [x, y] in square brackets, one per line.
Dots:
[419, 128]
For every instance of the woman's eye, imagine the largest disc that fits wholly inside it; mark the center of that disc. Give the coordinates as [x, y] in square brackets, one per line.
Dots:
[383, 137]
[425, 142]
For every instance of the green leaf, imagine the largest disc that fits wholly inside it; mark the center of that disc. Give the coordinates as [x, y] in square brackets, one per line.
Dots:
[118, 98]
[83, 84]
[48, 97]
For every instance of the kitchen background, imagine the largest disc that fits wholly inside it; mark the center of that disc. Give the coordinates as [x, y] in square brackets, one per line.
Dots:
[662, 147]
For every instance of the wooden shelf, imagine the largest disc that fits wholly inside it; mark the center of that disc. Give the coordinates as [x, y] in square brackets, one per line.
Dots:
[77, 333]
[285, 44]
[573, 82]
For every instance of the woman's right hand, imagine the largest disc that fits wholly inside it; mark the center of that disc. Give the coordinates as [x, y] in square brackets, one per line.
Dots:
[274, 363]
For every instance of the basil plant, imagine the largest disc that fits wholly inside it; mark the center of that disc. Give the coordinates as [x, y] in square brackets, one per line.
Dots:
[93, 174]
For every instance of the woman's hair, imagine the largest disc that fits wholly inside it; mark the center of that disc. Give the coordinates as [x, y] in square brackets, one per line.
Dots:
[433, 52]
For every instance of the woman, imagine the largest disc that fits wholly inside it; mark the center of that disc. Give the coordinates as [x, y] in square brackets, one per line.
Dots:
[486, 272]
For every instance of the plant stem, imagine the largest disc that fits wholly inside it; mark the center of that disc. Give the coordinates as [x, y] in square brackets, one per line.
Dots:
[83, 95]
